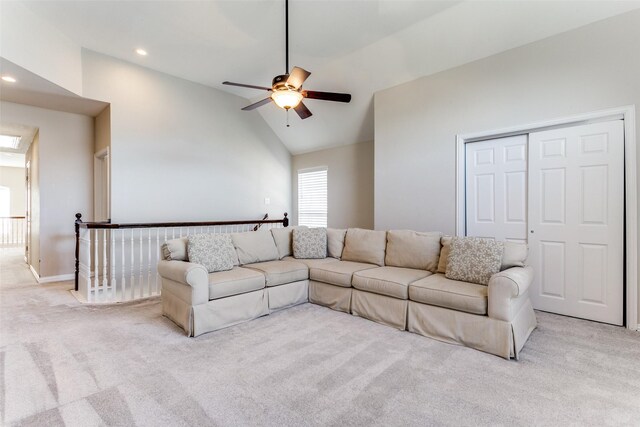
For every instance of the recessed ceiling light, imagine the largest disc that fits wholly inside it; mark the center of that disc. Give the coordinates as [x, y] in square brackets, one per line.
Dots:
[9, 141]
[141, 52]
[9, 79]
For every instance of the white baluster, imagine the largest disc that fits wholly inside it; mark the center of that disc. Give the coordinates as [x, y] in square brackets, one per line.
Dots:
[158, 257]
[112, 263]
[149, 264]
[85, 263]
[141, 284]
[131, 271]
[104, 264]
[96, 260]
[123, 267]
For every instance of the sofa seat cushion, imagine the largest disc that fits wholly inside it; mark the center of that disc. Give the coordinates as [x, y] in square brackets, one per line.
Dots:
[453, 294]
[310, 262]
[281, 272]
[236, 281]
[337, 272]
[390, 281]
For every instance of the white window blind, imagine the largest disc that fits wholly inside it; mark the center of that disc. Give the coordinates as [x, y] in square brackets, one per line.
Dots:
[312, 197]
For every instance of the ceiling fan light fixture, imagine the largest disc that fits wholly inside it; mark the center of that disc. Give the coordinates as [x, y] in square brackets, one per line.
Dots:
[286, 98]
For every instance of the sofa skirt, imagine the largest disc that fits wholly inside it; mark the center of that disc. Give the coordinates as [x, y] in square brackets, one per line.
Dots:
[335, 297]
[456, 327]
[380, 308]
[215, 314]
[288, 295]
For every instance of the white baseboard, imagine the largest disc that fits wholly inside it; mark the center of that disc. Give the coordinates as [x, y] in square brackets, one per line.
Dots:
[51, 279]
[60, 278]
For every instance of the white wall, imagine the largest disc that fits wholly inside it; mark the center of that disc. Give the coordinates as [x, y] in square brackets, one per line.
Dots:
[32, 43]
[592, 68]
[13, 178]
[349, 183]
[65, 180]
[184, 151]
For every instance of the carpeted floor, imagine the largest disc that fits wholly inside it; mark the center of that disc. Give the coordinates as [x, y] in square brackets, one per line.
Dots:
[62, 363]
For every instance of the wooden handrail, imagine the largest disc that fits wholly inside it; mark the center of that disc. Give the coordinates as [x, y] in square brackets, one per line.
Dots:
[109, 226]
[12, 217]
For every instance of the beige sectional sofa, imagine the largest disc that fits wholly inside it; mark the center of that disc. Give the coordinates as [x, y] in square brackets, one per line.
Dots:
[397, 278]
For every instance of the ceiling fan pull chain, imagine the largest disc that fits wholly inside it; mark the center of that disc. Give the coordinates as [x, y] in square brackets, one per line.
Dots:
[287, 118]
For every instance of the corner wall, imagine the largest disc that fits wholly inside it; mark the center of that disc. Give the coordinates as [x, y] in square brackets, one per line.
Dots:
[181, 151]
[349, 182]
[64, 176]
[589, 69]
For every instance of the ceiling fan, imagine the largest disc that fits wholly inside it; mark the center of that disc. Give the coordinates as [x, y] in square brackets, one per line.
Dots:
[286, 89]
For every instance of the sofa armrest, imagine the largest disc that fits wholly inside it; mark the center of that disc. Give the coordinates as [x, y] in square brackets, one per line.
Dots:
[186, 280]
[507, 292]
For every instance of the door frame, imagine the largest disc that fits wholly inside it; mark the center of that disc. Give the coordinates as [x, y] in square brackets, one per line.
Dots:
[626, 113]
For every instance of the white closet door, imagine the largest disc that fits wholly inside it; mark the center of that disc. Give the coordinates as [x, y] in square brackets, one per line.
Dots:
[576, 214]
[496, 188]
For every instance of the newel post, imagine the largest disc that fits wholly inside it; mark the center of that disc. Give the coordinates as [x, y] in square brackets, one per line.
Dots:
[77, 225]
[285, 221]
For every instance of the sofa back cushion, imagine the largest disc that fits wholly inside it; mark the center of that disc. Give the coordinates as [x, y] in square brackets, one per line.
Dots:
[255, 246]
[412, 249]
[335, 242]
[214, 251]
[310, 243]
[445, 243]
[474, 259]
[283, 239]
[175, 250]
[365, 246]
[515, 255]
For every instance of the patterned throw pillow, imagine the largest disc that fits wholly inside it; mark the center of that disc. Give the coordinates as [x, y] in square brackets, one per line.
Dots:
[310, 243]
[214, 251]
[473, 259]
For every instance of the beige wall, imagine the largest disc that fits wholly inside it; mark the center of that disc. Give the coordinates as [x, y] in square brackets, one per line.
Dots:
[181, 151]
[349, 183]
[33, 158]
[102, 130]
[65, 180]
[13, 178]
[589, 69]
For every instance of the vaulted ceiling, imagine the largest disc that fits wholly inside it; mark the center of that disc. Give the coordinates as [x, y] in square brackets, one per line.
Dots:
[358, 46]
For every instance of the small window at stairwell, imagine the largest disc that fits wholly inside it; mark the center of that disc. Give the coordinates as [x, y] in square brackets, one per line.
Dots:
[312, 197]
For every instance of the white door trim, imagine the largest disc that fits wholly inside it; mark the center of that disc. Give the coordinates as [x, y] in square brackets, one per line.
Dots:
[628, 114]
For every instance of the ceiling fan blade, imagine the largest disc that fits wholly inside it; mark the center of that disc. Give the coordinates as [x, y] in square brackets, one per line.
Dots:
[327, 96]
[297, 77]
[302, 111]
[249, 86]
[257, 104]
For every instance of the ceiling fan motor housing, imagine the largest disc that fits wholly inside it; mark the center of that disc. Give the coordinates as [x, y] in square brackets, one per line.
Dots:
[280, 82]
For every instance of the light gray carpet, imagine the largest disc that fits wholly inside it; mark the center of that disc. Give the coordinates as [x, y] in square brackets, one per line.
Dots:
[67, 364]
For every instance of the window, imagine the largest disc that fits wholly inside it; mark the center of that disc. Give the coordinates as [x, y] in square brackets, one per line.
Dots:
[312, 197]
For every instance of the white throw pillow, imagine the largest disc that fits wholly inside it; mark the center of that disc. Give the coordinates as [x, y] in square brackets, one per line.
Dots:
[214, 251]
[310, 243]
[255, 246]
[445, 242]
[474, 260]
[413, 249]
[175, 250]
[515, 255]
[365, 246]
[335, 242]
[283, 240]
